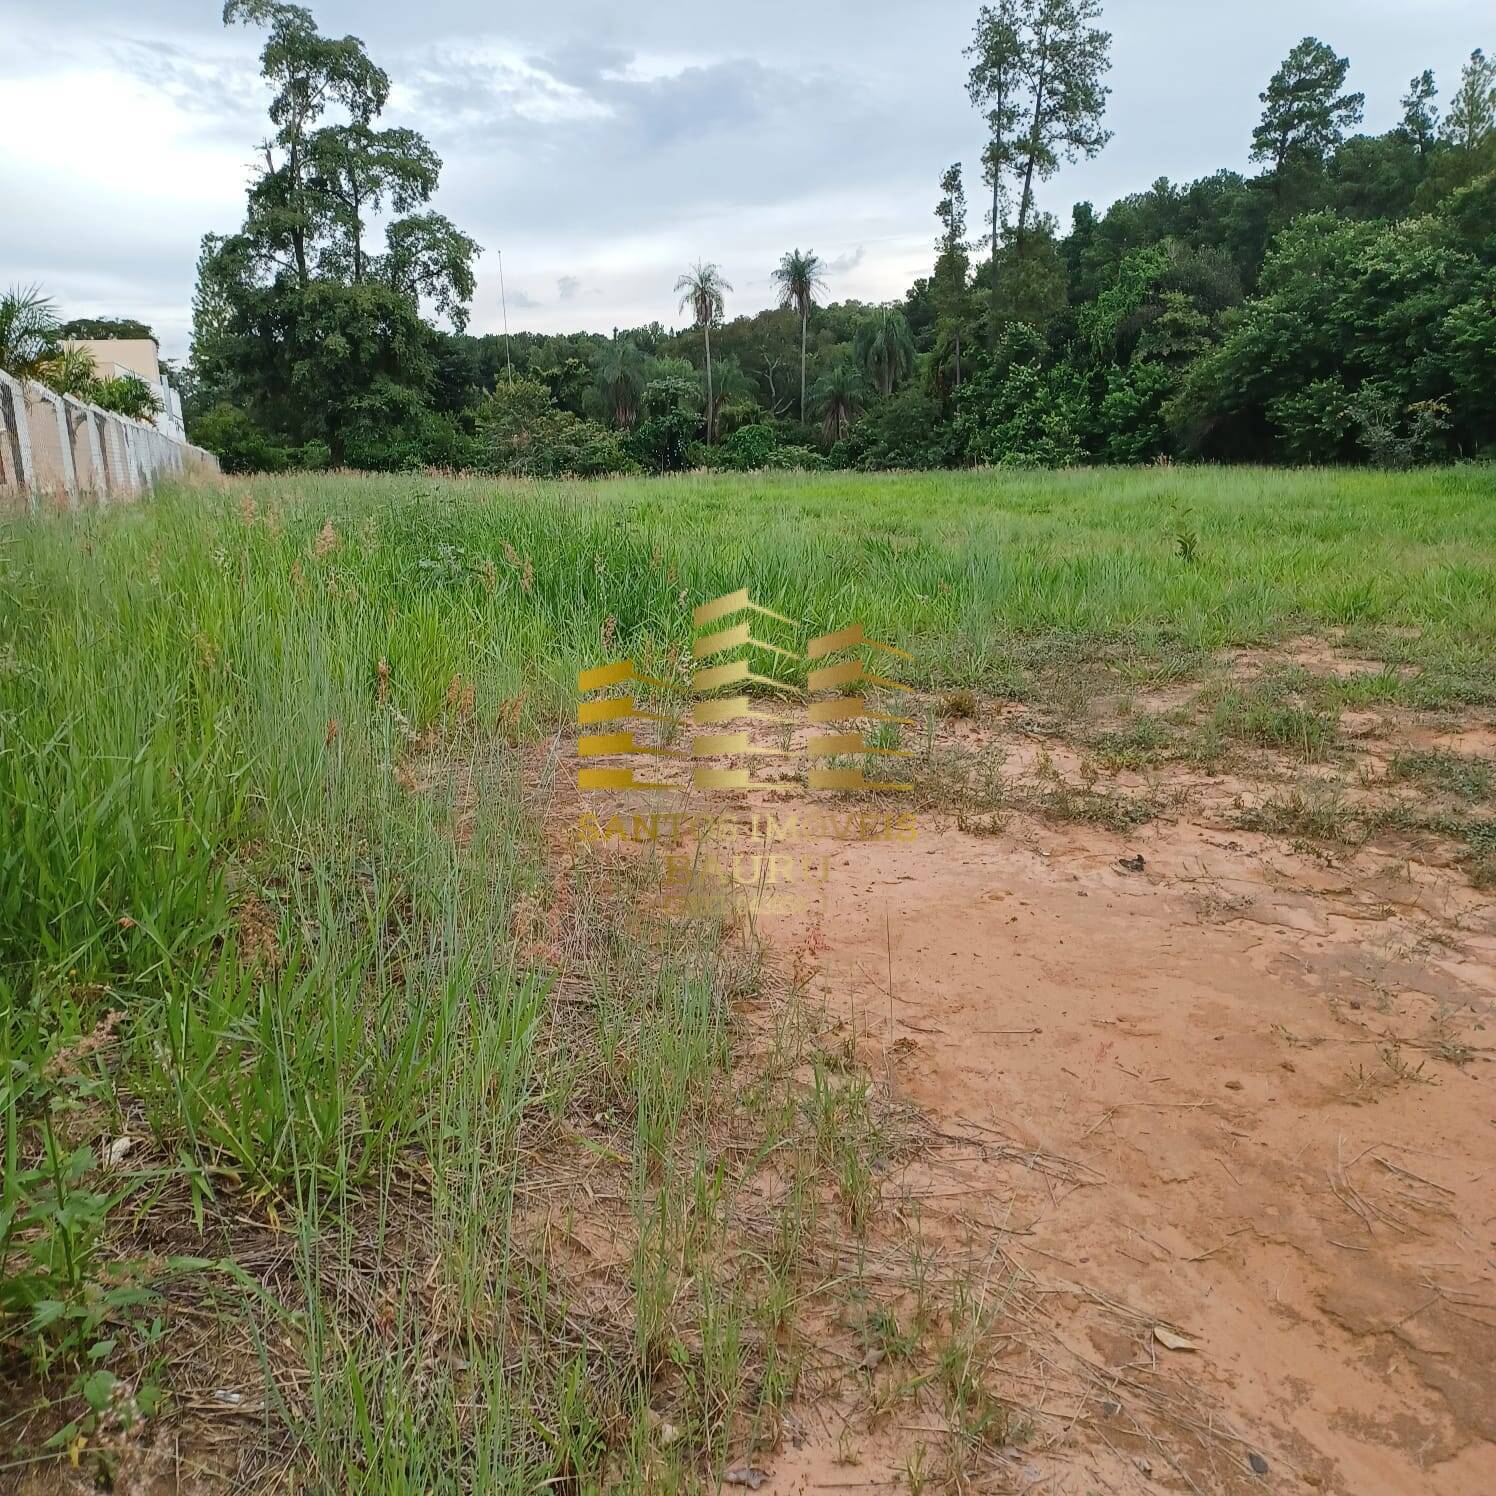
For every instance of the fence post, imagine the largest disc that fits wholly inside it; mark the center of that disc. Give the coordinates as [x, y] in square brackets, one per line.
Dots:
[65, 442]
[18, 430]
[96, 458]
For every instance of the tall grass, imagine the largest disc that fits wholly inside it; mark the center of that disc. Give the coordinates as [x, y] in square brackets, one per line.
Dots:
[269, 847]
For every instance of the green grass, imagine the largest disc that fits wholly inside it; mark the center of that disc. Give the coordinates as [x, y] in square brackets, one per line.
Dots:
[271, 875]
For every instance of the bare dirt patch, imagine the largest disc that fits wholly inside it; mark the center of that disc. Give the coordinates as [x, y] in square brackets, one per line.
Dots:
[1213, 1105]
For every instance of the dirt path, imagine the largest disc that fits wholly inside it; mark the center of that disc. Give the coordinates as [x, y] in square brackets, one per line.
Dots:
[1274, 1077]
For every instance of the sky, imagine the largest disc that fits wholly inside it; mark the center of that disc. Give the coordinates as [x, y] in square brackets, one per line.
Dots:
[603, 148]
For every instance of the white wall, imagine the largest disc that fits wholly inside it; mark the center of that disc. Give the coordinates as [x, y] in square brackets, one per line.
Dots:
[58, 449]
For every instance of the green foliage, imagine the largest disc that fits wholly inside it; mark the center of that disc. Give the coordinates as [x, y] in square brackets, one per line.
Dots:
[1336, 308]
[1470, 120]
[1395, 310]
[1015, 412]
[106, 328]
[749, 448]
[239, 445]
[125, 394]
[1305, 115]
[297, 321]
[521, 432]
[905, 430]
[885, 348]
[29, 332]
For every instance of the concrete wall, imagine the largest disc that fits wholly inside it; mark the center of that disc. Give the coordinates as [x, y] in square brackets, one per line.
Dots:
[57, 452]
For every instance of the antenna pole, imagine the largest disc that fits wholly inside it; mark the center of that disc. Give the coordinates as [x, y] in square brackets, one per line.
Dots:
[504, 301]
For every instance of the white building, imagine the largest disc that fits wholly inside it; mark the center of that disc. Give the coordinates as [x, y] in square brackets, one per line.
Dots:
[115, 357]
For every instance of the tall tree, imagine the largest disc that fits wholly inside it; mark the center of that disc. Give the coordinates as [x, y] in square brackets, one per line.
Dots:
[885, 347]
[798, 277]
[952, 265]
[1472, 111]
[295, 319]
[1037, 74]
[998, 51]
[1066, 59]
[353, 169]
[702, 291]
[1304, 114]
[1420, 119]
[307, 71]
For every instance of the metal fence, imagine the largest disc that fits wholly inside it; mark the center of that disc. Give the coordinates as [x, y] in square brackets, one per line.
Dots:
[59, 452]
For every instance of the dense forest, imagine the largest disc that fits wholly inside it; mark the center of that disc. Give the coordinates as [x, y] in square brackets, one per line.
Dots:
[1337, 307]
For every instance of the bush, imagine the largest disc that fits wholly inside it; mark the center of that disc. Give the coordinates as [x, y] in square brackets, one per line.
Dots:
[749, 447]
[522, 432]
[663, 439]
[126, 396]
[239, 445]
[1015, 412]
[906, 430]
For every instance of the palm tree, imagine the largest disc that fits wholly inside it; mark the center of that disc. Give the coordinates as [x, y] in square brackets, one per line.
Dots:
[69, 371]
[799, 278]
[620, 380]
[702, 289]
[839, 395]
[730, 383]
[885, 347]
[29, 332]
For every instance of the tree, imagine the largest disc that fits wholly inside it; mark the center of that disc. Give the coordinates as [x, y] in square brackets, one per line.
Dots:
[839, 395]
[998, 52]
[106, 328]
[952, 266]
[1304, 115]
[296, 319]
[29, 331]
[620, 380]
[1420, 119]
[309, 207]
[69, 371]
[1066, 58]
[1037, 74]
[798, 277]
[1472, 111]
[703, 290]
[884, 348]
[308, 71]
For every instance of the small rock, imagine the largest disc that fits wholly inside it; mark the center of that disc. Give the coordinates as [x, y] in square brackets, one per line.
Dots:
[1145, 1464]
[1233, 1085]
[1258, 1464]
[746, 1475]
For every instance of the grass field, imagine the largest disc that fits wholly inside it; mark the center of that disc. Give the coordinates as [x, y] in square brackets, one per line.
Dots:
[306, 1035]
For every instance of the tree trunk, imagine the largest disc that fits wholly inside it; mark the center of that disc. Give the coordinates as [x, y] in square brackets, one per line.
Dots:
[298, 234]
[711, 406]
[804, 334]
[958, 358]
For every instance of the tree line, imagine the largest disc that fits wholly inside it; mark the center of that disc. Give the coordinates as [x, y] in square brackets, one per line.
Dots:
[1338, 306]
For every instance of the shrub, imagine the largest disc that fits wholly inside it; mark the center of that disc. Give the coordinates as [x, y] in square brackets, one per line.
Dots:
[237, 442]
[521, 431]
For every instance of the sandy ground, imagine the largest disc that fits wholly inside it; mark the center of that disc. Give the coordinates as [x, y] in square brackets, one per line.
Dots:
[1228, 1041]
[1265, 1259]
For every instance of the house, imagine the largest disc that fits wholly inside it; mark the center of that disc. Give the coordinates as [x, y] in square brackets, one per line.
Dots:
[114, 357]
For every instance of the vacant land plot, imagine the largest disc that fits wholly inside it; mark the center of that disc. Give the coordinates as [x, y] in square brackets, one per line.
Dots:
[1127, 1124]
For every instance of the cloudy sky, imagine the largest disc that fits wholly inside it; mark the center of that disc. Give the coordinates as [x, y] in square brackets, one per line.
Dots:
[603, 147]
